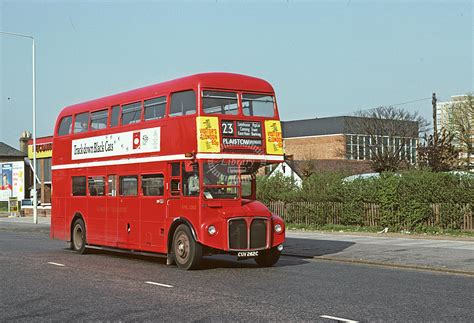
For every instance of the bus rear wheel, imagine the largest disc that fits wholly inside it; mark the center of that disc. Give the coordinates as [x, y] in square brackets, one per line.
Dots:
[187, 252]
[268, 258]
[78, 236]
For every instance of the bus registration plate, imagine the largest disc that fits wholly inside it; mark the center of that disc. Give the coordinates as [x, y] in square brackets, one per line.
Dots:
[245, 254]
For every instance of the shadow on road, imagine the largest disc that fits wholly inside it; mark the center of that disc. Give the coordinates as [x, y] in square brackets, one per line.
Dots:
[208, 262]
[313, 248]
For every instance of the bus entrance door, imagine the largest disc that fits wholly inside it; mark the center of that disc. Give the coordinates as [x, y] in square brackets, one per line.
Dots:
[173, 193]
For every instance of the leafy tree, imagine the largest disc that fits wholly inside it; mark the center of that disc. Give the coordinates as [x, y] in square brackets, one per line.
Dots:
[462, 126]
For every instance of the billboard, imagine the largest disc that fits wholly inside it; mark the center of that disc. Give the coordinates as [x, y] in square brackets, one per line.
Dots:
[43, 150]
[12, 183]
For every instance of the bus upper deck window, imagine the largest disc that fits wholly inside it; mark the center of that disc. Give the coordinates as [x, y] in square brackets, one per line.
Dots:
[99, 119]
[65, 126]
[155, 108]
[131, 113]
[259, 105]
[215, 102]
[114, 116]
[183, 103]
[81, 123]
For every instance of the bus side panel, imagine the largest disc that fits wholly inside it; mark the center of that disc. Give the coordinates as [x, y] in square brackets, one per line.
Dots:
[153, 213]
[58, 208]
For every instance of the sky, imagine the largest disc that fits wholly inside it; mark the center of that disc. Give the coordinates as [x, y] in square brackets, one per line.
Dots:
[323, 58]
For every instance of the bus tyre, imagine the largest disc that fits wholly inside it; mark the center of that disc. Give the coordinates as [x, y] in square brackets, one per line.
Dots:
[268, 258]
[187, 252]
[78, 237]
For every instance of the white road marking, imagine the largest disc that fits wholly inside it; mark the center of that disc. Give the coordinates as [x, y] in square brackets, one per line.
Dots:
[55, 264]
[339, 319]
[159, 284]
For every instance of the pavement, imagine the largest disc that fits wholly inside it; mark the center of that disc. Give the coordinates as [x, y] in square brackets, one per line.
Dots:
[454, 256]
[415, 253]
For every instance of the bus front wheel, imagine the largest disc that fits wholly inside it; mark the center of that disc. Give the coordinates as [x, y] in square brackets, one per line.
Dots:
[268, 257]
[78, 237]
[187, 252]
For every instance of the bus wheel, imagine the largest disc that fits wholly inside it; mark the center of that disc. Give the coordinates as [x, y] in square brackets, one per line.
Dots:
[187, 252]
[268, 257]
[79, 236]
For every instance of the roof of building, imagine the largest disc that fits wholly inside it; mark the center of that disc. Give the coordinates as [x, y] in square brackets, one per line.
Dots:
[9, 151]
[331, 126]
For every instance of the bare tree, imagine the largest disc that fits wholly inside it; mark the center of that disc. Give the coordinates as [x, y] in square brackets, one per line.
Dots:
[461, 124]
[439, 155]
[390, 129]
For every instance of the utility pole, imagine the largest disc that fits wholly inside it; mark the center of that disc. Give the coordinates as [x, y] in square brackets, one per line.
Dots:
[435, 124]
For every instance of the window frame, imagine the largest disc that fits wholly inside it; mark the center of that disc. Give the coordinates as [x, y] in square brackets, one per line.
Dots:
[91, 119]
[274, 115]
[130, 103]
[104, 189]
[120, 193]
[167, 101]
[196, 107]
[88, 122]
[119, 119]
[70, 126]
[142, 191]
[85, 186]
[238, 98]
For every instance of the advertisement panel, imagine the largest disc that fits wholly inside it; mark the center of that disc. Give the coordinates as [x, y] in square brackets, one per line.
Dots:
[274, 138]
[208, 134]
[116, 144]
[12, 180]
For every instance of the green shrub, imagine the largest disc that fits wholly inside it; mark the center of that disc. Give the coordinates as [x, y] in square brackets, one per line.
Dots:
[410, 200]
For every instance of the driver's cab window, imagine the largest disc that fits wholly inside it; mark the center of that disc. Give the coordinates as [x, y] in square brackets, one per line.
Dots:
[190, 173]
[247, 184]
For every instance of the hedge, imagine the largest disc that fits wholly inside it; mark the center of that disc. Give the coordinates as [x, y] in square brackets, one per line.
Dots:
[407, 200]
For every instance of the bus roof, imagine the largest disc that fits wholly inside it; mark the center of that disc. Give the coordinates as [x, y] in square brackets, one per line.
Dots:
[217, 80]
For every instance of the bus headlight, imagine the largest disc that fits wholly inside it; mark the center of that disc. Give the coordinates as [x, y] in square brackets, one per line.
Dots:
[211, 230]
[278, 228]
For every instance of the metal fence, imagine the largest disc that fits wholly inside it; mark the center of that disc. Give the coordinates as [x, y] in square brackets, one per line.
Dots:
[441, 215]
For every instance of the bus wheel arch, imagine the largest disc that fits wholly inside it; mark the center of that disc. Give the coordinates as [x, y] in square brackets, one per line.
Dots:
[183, 248]
[177, 222]
[78, 235]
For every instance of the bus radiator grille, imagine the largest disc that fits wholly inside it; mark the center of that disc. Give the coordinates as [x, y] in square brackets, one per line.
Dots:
[238, 234]
[258, 234]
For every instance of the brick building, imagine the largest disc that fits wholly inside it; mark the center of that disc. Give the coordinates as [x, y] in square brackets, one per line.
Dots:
[338, 143]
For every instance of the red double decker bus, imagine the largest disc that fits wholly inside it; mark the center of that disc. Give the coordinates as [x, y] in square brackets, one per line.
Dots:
[170, 169]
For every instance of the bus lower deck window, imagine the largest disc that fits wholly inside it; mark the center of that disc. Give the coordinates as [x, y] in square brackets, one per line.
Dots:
[96, 186]
[78, 186]
[128, 185]
[153, 185]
